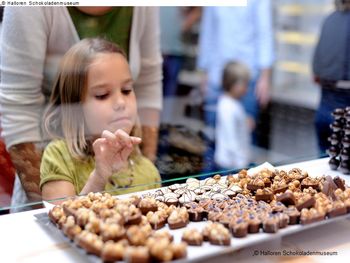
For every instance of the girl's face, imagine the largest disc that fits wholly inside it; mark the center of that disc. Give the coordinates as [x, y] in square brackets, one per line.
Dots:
[110, 102]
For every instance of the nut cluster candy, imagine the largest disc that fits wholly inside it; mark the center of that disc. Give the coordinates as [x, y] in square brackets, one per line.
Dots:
[339, 151]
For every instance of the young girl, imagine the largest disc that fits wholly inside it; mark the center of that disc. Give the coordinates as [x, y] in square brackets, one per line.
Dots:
[93, 117]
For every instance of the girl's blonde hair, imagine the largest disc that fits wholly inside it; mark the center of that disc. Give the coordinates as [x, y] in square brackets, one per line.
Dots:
[64, 116]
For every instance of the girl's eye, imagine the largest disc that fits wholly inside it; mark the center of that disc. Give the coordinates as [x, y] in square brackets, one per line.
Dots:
[127, 91]
[102, 96]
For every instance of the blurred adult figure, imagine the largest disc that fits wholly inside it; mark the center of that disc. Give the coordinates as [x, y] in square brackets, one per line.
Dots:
[242, 34]
[331, 68]
[175, 21]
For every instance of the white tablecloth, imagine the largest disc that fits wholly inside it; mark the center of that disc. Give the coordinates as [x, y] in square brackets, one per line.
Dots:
[24, 239]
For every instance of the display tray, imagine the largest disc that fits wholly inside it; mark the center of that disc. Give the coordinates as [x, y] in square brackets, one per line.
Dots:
[207, 250]
[195, 253]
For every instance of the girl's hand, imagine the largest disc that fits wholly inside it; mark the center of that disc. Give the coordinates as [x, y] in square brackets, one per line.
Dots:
[112, 151]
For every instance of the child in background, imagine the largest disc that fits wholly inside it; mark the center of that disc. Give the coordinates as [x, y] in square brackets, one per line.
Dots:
[92, 115]
[232, 124]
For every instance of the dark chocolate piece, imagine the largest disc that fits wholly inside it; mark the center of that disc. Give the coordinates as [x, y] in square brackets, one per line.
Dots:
[334, 163]
[287, 198]
[340, 183]
[306, 202]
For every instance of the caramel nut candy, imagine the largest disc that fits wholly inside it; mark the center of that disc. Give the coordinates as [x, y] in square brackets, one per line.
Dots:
[219, 235]
[310, 182]
[264, 195]
[338, 208]
[156, 220]
[179, 250]
[113, 251]
[56, 213]
[90, 242]
[161, 250]
[163, 234]
[137, 254]
[309, 216]
[113, 232]
[147, 204]
[178, 218]
[192, 237]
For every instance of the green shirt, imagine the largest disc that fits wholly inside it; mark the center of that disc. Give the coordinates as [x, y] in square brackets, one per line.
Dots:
[58, 164]
[114, 26]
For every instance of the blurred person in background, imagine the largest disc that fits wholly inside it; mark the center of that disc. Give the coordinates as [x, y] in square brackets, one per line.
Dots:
[242, 34]
[175, 21]
[33, 42]
[331, 69]
[232, 134]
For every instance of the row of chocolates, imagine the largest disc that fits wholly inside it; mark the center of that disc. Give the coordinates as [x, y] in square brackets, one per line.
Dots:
[236, 205]
[339, 151]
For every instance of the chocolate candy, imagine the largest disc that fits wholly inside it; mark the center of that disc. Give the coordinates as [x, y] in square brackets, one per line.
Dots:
[294, 215]
[334, 163]
[345, 167]
[311, 216]
[347, 116]
[192, 237]
[254, 224]
[283, 220]
[306, 201]
[340, 183]
[338, 113]
[338, 209]
[333, 151]
[346, 141]
[265, 195]
[309, 182]
[336, 126]
[334, 139]
[239, 228]
[271, 224]
[287, 198]
[345, 154]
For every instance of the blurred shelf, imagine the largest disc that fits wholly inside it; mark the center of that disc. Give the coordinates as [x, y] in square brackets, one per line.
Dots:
[296, 37]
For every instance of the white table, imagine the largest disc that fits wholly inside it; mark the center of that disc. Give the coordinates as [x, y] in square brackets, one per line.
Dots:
[23, 239]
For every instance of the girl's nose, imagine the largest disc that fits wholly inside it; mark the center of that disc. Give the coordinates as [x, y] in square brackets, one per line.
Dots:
[119, 102]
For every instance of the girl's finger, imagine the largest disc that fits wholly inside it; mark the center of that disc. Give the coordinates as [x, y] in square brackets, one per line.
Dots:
[135, 140]
[109, 136]
[125, 153]
[99, 145]
[123, 138]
